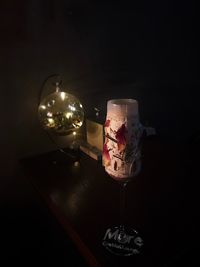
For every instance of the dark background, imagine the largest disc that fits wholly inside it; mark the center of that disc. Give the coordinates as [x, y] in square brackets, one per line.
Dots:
[148, 50]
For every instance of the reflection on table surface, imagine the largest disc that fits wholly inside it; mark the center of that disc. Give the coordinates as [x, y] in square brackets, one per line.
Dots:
[160, 203]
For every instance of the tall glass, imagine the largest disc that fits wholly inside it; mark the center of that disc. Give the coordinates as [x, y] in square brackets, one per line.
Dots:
[121, 159]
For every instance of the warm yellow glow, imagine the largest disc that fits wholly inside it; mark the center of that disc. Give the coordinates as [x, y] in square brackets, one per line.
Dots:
[69, 115]
[51, 121]
[63, 95]
[72, 108]
[77, 124]
[74, 133]
[43, 107]
[61, 112]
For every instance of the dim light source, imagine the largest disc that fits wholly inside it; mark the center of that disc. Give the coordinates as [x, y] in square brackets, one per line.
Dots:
[60, 112]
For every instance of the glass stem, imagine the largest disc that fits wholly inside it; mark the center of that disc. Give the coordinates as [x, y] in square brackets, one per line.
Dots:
[122, 204]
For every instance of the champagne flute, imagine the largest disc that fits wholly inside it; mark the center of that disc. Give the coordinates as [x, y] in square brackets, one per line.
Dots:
[121, 159]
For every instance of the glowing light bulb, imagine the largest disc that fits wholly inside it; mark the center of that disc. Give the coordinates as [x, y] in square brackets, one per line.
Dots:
[49, 114]
[51, 122]
[43, 107]
[72, 108]
[63, 95]
[69, 115]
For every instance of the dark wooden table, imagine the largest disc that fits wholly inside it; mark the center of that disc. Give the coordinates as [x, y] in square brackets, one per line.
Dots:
[161, 204]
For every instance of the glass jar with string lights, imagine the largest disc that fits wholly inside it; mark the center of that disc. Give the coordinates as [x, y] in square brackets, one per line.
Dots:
[60, 112]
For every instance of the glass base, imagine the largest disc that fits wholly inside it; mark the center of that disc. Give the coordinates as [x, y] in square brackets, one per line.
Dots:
[122, 241]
